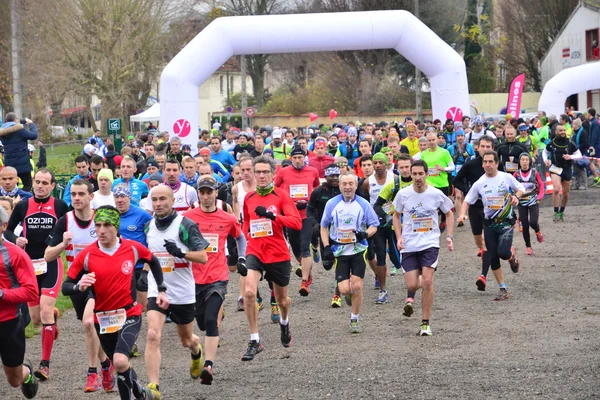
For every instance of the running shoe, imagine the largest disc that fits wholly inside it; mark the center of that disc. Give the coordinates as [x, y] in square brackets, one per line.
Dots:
[304, 290]
[240, 304]
[56, 315]
[382, 298]
[480, 253]
[540, 237]
[274, 313]
[134, 352]
[315, 254]
[394, 271]
[43, 373]
[260, 304]
[286, 335]
[206, 377]
[596, 182]
[377, 287]
[561, 217]
[502, 295]
[336, 302]
[529, 251]
[514, 261]
[108, 378]
[354, 326]
[298, 271]
[29, 388]
[425, 329]
[348, 298]
[254, 347]
[92, 383]
[480, 282]
[408, 308]
[152, 390]
[196, 365]
[460, 224]
[556, 217]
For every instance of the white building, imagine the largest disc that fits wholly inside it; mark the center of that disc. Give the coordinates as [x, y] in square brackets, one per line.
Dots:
[576, 44]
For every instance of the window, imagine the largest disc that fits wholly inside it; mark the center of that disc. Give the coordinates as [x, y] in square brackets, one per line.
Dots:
[221, 84]
[591, 44]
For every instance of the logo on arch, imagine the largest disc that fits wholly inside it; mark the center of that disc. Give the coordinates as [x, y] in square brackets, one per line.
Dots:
[182, 128]
[454, 113]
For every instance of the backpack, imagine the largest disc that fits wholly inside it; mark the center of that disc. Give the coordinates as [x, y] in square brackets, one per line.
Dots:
[456, 154]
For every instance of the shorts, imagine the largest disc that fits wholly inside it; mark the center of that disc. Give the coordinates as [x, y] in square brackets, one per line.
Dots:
[12, 345]
[370, 255]
[415, 260]
[566, 175]
[300, 240]
[476, 220]
[355, 264]
[123, 340]
[181, 314]
[204, 291]
[278, 272]
[79, 301]
[49, 283]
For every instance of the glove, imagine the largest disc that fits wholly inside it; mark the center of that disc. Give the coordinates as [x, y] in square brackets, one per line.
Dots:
[173, 249]
[327, 254]
[360, 236]
[263, 213]
[142, 283]
[301, 205]
[241, 266]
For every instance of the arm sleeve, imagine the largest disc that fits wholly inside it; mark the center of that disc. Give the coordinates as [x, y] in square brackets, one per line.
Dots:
[28, 289]
[576, 154]
[460, 181]
[191, 236]
[56, 237]
[240, 241]
[545, 155]
[15, 218]
[68, 286]
[31, 133]
[450, 167]
[540, 184]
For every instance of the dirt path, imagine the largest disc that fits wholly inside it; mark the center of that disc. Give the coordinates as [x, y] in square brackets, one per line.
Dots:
[543, 343]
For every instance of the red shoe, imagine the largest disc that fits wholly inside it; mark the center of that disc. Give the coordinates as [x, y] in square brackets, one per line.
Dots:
[480, 253]
[529, 251]
[480, 282]
[108, 378]
[540, 237]
[304, 290]
[309, 280]
[92, 383]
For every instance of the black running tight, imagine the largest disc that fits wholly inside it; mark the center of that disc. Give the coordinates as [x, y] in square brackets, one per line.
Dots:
[498, 242]
[529, 217]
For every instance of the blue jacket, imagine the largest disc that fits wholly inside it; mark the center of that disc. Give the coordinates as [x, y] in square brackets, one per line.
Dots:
[138, 189]
[14, 137]
[132, 226]
[67, 195]
[594, 133]
[224, 157]
[218, 169]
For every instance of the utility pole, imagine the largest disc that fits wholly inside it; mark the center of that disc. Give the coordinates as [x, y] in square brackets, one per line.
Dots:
[244, 98]
[419, 96]
[14, 52]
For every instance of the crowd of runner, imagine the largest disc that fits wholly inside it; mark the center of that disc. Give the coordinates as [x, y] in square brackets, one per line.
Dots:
[156, 231]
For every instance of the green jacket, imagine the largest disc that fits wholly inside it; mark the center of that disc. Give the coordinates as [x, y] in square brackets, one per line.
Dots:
[542, 135]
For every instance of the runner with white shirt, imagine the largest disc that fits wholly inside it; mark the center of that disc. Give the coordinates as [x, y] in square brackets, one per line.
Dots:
[418, 238]
[499, 193]
[104, 196]
[154, 180]
[184, 194]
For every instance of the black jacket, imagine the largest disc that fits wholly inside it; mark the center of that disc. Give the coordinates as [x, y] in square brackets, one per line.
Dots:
[42, 162]
[470, 172]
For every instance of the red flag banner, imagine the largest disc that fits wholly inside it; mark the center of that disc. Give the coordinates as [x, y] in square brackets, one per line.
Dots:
[515, 95]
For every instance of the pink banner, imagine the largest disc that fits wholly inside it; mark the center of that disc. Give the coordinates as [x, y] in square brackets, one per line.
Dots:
[514, 96]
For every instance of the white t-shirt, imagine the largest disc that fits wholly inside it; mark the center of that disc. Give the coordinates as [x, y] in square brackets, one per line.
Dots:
[146, 204]
[102, 200]
[495, 195]
[420, 229]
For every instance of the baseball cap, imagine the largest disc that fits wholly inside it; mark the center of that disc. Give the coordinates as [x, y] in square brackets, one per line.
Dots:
[207, 182]
[276, 134]
[523, 127]
[130, 137]
[297, 151]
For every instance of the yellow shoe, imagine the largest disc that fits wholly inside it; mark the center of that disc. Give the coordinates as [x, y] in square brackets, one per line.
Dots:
[196, 365]
[154, 393]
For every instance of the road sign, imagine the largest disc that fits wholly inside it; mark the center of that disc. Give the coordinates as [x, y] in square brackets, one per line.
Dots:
[114, 129]
[229, 109]
[250, 112]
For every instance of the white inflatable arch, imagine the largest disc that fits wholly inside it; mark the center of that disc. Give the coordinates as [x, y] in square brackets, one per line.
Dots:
[294, 33]
[566, 83]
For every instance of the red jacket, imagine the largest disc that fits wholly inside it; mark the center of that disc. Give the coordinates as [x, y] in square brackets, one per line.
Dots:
[17, 281]
[320, 162]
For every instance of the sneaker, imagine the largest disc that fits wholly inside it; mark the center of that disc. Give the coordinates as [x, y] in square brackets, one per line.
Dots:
[377, 287]
[561, 216]
[29, 388]
[382, 298]
[529, 251]
[394, 271]
[56, 315]
[134, 352]
[460, 224]
[408, 308]
[480, 282]
[286, 335]
[206, 377]
[425, 329]
[348, 299]
[108, 378]
[254, 347]
[514, 261]
[196, 365]
[315, 254]
[556, 217]
[240, 304]
[274, 313]
[304, 290]
[43, 373]
[298, 271]
[260, 304]
[336, 302]
[480, 253]
[152, 390]
[540, 237]
[92, 383]
[502, 295]
[354, 326]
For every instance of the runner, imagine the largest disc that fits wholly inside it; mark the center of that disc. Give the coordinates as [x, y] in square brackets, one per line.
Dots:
[460, 152]
[74, 232]
[103, 196]
[348, 221]
[10, 187]
[211, 279]
[37, 216]
[106, 267]
[509, 150]
[493, 189]
[266, 212]
[529, 207]
[177, 243]
[18, 284]
[138, 188]
[558, 156]
[418, 239]
[184, 194]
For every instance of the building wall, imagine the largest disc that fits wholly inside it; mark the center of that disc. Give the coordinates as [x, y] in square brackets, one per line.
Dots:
[213, 93]
[492, 103]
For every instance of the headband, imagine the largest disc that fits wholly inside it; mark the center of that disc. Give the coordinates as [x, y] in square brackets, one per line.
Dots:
[108, 215]
[332, 171]
[121, 191]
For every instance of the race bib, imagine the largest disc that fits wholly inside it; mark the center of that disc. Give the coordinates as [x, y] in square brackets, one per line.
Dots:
[388, 207]
[40, 266]
[78, 247]
[261, 228]
[458, 167]
[213, 242]
[511, 166]
[298, 191]
[111, 321]
[433, 172]
[495, 202]
[422, 225]
[345, 236]
[167, 262]
[555, 170]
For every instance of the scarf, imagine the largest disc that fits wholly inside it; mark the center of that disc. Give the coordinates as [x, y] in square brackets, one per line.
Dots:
[175, 187]
[12, 193]
[265, 191]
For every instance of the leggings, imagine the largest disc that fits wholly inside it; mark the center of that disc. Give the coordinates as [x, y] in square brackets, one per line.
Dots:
[383, 239]
[300, 240]
[498, 241]
[207, 319]
[529, 217]
[26, 180]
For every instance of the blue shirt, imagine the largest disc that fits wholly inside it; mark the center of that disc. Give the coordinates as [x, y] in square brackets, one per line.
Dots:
[138, 189]
[67, 195]
[224, 157]
[190, 181]
[460, 159]
[132, 226]
[98, 140]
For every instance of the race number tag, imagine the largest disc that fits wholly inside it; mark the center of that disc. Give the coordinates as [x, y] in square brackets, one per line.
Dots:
[422, 225]
[511, 166]
[167, 262]
[345, 236]
[433, 172]
[78, 247]
[298, 191]
[556, 170]
[495, 202]
[388, 207]
[458, 168]
[213, 242]
[40, 266]
[111, 321]
[261, 228]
